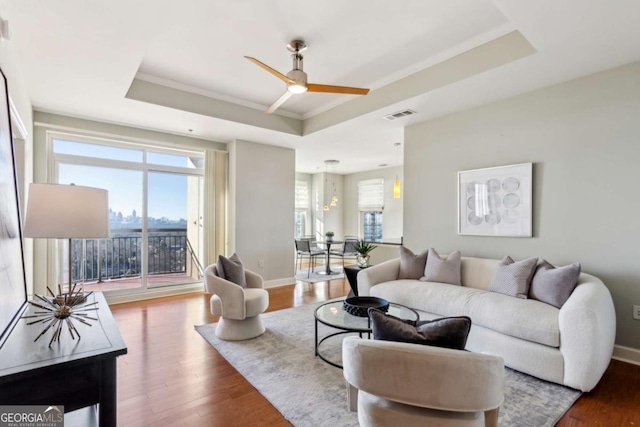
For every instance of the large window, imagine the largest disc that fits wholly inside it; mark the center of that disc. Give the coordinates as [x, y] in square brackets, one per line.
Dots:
[372, 226]
[155, 199]
[371, 205]
[302, 208]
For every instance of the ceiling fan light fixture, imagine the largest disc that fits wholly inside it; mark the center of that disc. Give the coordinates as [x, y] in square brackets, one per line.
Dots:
[296, 79]
[296, 88]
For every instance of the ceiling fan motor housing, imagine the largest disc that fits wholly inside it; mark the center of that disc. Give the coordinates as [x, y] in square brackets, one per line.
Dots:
[298, 76]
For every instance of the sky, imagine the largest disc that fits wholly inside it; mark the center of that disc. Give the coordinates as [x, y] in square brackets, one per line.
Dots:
[167, 191]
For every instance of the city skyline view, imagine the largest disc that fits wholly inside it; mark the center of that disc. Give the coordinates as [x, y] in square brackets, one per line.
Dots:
[119, 219]
[167, 192]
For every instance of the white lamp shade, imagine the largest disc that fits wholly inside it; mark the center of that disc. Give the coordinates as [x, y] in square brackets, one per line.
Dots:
[67, 212]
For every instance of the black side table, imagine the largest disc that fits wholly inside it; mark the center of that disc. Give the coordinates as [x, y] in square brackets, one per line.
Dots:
[351, 271]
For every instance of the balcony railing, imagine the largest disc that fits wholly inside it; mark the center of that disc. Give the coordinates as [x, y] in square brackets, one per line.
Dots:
[169, 251]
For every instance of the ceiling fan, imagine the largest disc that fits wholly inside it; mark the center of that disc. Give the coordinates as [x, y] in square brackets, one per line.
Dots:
[296, 79]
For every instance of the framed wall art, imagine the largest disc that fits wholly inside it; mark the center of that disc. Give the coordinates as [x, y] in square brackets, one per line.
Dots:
[496, 201]
[13, 291]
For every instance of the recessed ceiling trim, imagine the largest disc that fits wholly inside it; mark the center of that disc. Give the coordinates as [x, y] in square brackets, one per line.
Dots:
[501, 51]
[153, 93]
[209, 94]
[478, 40]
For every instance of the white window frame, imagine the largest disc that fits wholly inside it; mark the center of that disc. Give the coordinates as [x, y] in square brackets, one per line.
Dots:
[371, 202]
[303, 208]
[55, 159]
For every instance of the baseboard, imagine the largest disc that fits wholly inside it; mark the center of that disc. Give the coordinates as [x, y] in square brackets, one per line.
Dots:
[626, 354]
[119, 298]
[279, 282]
[122, 297]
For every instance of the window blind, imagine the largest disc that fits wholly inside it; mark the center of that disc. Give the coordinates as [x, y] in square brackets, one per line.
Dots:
[371, 194]
[302, 195]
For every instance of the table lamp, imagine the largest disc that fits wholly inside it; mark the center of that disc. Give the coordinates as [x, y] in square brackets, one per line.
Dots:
[67, 212]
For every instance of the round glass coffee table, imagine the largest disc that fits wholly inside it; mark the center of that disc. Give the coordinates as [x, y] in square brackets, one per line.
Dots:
[333, 315]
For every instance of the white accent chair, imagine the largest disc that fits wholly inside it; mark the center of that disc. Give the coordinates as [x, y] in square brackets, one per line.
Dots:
[400, 384]
[239, 308]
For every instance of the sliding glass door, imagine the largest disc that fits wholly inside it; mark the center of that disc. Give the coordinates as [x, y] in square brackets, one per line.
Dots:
[154, 210]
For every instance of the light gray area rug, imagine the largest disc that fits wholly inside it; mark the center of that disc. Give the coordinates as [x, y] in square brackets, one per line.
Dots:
[282, 365]
[315, 277]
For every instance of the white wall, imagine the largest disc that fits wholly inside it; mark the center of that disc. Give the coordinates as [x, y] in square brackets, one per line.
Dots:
[261, 206]
[392, 215]
[20, 98]
[584, 140]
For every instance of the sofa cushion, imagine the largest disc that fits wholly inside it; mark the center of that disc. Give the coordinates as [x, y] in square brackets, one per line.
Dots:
[256, 301]
[526, 319]
[447, 332]
[433, 297]
[554, 285]
[411, 265]
[231, 269]
[444, 270]
[513, 278]
[521, 318]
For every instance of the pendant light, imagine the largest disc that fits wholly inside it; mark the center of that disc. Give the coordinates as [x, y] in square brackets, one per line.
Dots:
[396, 183]
[334, 197]
[324, 190]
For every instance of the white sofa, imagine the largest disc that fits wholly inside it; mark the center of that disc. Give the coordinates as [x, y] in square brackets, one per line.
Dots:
[571, 345]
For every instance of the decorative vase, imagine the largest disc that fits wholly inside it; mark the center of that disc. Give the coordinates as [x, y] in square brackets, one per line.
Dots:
[329, 238]
[362, 260]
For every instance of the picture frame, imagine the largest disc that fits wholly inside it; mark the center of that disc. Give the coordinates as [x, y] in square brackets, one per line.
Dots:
[496, 201]
[13, 285]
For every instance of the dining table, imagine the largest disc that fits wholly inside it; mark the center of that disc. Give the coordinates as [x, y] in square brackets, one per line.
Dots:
[327, 243]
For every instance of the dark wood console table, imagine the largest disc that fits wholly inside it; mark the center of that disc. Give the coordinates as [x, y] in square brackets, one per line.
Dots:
[74, 373]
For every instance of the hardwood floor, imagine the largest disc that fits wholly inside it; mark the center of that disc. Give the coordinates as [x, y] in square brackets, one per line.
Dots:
[173, 377]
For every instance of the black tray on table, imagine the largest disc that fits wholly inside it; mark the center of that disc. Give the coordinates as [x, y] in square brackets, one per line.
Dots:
[359, 306]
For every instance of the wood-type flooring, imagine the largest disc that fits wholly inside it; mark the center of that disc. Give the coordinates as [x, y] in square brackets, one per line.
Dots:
[173, 377]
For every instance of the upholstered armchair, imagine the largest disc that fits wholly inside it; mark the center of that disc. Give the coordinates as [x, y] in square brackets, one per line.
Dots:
[399, 384]
[239, 308]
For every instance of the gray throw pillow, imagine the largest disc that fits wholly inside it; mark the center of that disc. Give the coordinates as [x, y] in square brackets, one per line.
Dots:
[448, 332]
[513, 278]
[231, 269]
[445, 270]
[411, 266]
[554, 285]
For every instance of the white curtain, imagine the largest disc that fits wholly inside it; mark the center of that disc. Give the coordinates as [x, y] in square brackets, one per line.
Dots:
[302, 195]
[371, 194]
[215, 205]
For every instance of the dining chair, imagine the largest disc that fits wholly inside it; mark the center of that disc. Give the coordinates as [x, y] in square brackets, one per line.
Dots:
[313, 243]
[303, 249]
[348, 249]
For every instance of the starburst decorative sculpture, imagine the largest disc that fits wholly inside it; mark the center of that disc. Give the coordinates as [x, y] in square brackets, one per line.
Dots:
[60, 311]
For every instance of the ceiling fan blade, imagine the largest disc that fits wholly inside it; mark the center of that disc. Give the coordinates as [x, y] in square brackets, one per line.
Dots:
[279, 102]
[271, 70]
[312, 87]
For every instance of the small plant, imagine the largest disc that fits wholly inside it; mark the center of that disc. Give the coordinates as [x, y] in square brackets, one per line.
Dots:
[329, 234]
[363, 248]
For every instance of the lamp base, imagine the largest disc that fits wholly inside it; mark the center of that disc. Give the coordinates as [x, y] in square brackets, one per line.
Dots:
[70, 299]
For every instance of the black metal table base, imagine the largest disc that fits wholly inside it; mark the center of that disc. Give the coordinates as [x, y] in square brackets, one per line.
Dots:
[317, 349]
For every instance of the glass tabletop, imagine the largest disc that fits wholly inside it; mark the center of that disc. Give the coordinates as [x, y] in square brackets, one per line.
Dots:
[333, 314]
